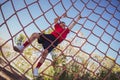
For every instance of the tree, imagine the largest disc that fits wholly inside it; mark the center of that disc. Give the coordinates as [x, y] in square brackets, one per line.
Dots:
[20, 39]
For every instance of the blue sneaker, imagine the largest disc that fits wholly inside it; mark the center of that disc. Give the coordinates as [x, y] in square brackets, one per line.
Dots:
[35, 72]
[18, 48]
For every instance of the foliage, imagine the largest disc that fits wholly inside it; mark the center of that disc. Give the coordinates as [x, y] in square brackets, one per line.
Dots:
[79, 68]
[20, 39]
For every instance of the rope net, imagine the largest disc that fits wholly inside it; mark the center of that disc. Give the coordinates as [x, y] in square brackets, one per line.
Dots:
[91, 51]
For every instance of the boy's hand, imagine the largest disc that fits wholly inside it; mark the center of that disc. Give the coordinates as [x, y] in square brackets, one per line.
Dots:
[78, 18]
[64, 15]
[58, 18]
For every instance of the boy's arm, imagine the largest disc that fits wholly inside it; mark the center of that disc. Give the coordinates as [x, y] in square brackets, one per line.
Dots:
[58, 18]
[74, 22]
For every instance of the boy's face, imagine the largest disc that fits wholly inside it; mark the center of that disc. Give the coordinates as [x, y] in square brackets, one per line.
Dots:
[62, 24]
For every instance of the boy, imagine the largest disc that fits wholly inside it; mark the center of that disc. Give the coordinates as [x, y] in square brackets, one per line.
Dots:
[48, 41]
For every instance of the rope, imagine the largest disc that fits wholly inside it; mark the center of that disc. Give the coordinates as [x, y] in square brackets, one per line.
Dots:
[91, 45]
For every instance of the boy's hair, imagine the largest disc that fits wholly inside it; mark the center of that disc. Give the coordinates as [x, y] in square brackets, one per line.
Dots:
[62, 22]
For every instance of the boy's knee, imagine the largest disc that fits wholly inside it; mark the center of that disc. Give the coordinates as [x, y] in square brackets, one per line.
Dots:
[46, 51]
[35, 35]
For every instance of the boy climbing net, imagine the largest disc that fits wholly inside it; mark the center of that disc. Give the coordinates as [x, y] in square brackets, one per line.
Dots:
[48, 41]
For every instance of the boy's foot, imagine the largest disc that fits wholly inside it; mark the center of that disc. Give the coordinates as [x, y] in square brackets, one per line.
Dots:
[18, 48]
[35, 72]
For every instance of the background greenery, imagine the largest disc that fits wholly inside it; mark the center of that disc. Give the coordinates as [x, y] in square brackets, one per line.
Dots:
[73, 64]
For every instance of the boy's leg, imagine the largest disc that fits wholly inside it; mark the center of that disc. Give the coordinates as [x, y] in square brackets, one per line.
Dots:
[41, 61]
[27, 43]
[48, 46]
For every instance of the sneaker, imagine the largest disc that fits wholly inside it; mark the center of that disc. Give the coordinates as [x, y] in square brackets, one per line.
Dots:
[35, 72]
[18, 48]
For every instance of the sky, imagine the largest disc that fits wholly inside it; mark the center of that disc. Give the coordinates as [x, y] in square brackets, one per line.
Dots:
[100, 22]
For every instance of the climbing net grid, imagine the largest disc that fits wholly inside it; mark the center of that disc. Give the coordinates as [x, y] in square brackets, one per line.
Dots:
[91, 51]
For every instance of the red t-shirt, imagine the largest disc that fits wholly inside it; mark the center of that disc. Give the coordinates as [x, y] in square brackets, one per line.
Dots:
[60, 32]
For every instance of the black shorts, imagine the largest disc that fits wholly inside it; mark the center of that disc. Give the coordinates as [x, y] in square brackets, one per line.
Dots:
[48, 41]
